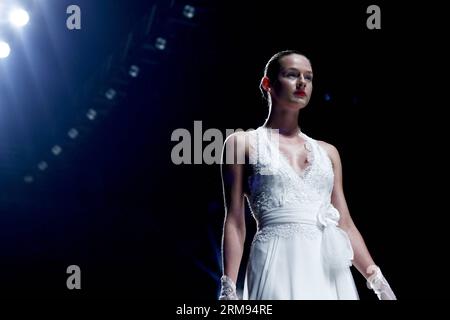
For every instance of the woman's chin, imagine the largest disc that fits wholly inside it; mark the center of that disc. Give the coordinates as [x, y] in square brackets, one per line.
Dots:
[299, 104]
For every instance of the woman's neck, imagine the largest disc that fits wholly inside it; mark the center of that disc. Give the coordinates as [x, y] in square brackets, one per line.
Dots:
[286, 122]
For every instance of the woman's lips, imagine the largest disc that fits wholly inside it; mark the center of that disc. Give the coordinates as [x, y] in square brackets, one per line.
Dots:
[300, 93]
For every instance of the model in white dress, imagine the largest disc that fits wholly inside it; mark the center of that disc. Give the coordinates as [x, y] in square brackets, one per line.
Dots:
[298, 251]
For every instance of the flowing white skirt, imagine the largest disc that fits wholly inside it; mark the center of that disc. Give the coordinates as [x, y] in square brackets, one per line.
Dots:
[292, 267]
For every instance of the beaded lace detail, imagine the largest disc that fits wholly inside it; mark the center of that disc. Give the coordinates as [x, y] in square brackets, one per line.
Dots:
[275, 184]
[287, 230]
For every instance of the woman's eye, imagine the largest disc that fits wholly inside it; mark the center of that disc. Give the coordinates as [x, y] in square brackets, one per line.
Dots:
[292, 75]
[309, 78]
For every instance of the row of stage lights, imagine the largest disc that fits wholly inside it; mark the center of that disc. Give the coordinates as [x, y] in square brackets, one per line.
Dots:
[110, 94]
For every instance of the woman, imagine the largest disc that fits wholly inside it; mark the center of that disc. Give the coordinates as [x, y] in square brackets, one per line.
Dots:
[306, 239]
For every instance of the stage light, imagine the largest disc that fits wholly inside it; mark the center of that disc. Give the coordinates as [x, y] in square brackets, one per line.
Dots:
[19, 17]
[327, 97]
[42, 165]
[110, 94]
[73, 133]
[5, 50]
[188, 11]
[91, 114]
[134, 71]
[56, 150]
[28, 179]
[160, 43]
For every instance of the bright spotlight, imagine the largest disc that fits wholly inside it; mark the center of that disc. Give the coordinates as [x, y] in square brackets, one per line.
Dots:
[19, 17]
[4, 50]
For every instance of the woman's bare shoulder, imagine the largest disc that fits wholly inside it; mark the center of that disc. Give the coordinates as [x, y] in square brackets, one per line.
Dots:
[238, 137]
[331, 150]
[240, 140]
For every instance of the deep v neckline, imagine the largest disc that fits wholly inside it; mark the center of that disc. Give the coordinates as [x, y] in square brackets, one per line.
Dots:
[309, 156]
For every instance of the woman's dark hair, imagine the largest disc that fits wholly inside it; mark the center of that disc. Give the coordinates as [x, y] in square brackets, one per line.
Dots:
[273, 67]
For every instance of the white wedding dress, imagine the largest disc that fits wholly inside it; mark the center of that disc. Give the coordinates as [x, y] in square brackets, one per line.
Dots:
[298, 251]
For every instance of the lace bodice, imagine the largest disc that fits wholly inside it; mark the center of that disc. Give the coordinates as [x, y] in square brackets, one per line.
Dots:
[274, 184]
[286, 203]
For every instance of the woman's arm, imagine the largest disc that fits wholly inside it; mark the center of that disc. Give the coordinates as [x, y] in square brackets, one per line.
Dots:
[232, 172]
[362, 258]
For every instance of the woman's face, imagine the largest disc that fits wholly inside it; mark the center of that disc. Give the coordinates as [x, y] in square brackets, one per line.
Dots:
[293, 87]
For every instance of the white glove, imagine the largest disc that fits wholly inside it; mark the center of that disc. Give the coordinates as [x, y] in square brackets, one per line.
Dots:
[228, 289]
[377, 282]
